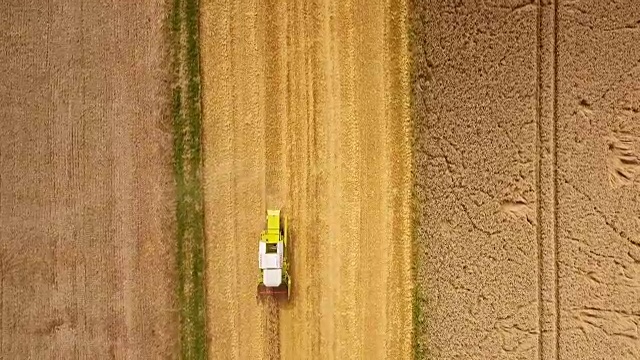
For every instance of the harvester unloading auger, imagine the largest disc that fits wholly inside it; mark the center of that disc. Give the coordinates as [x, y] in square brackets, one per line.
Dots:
[272, 258]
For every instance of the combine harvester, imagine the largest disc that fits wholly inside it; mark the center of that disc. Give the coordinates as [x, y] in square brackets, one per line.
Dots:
[272, 258]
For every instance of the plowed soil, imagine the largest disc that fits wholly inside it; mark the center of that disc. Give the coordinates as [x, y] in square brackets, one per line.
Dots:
[306, 109]
[527, 161]
[86, 185]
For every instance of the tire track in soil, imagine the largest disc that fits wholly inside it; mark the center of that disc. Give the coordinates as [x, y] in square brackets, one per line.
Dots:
[556, 263]
[538, 181]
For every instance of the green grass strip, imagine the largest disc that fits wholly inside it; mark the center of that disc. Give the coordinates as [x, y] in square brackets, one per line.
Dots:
[419, 324]
[187, 160]
[420, 299]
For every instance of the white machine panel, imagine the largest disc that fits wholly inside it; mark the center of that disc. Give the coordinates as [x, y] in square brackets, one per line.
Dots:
[272, 277]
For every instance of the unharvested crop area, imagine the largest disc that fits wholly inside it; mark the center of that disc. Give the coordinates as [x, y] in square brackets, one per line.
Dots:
[306, 107]
[87, 262]
[527, 154]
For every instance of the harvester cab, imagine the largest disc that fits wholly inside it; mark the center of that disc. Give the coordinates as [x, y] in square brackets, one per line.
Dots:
[272, 258]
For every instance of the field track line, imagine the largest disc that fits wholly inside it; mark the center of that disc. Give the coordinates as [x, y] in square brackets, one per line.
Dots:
[538, 172]
[555, 177]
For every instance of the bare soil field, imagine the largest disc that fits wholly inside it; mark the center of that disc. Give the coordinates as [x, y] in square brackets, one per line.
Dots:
[527, 161]
[87, 255]
[306, 107]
